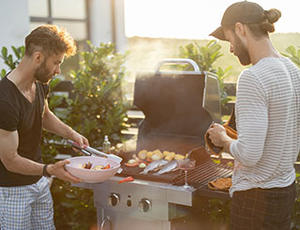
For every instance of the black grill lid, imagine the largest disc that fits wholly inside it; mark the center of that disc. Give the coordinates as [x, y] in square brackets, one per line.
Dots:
[172, 103]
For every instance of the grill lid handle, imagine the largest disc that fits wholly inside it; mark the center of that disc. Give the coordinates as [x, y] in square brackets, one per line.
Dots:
[178, 61]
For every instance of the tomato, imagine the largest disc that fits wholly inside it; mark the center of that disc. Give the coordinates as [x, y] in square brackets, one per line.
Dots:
[106, 167]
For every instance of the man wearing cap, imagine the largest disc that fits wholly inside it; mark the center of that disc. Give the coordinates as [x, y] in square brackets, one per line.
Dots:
[268, 121]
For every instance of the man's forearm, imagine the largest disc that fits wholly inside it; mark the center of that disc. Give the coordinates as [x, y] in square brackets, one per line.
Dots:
[21, 165]
[54, 125]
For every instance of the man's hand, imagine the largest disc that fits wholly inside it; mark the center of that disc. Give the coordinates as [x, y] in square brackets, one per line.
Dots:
[218, 136]
[216, 133]
[56, 126]
[79, 139]
[58, 170]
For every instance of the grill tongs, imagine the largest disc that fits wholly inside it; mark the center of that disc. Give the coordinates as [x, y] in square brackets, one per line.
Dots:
[89, 151]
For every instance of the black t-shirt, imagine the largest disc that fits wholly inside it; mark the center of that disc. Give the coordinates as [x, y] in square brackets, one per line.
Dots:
[17, 113]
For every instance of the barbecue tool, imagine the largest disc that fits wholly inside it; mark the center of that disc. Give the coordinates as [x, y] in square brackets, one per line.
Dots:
[91, 151]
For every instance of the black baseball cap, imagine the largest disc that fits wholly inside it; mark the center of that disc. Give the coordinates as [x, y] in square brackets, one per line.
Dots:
[244, 12]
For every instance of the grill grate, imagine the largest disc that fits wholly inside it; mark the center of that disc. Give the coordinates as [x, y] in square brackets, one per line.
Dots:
[197, 177]
[202, 174]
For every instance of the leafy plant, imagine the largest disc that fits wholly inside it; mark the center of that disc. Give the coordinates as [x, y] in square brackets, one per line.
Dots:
[49, 146]
[222, 75]
[9, 58]
[73, 207]
[98, 108]
[205, 57]
[293, 54]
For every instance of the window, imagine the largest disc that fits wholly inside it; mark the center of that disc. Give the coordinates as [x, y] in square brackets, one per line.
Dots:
[70, 14]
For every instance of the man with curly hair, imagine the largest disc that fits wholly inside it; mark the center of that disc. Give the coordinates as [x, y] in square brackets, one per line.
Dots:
[25, 198]
[267, 120]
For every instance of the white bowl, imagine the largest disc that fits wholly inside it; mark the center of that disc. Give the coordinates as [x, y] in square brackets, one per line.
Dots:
[90, 175]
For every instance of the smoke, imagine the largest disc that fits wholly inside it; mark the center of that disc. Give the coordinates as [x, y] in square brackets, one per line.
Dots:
[145, 53]
[143, 56]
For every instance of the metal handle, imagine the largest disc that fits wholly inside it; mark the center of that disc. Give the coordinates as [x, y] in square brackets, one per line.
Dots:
[91, 151]
[178, 61]
[76, 146]
[96, 152]
[106, 222]
[99, 153]
[87, 150]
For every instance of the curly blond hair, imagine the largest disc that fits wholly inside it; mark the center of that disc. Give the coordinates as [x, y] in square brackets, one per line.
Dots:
[50, 39]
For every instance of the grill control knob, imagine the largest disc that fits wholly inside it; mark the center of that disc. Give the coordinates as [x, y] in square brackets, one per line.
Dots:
[145, 205]
[129, 203]
[114, 199]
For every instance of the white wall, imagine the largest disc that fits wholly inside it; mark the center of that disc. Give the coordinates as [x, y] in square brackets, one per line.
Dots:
[101, 23]
[14, 23]
[121, 41]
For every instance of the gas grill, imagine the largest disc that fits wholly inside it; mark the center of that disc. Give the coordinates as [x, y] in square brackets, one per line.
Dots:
[179, 106]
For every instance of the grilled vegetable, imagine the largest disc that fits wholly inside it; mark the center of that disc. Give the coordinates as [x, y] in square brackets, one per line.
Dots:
[179, 157]
[107, 166]
[132, 161]
[98, 167]
[149, 154]
[166, 153]
[157, 155]
[126, 179]
[169, 156]
[142, 165]
[142, 154]
[87, 166]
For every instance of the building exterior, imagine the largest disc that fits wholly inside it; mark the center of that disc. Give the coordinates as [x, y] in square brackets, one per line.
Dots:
[95, 20]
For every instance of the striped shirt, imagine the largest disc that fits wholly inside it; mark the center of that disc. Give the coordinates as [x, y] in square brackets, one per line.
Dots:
[268, 124]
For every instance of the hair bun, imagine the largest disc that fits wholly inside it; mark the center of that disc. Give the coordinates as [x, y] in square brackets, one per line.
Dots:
[272, 15]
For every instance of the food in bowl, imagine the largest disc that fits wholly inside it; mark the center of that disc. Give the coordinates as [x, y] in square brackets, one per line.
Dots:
[89, 165]
[100, 169]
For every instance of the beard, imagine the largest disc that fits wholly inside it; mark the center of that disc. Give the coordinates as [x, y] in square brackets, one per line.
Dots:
[43, 74]
[241, 51]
